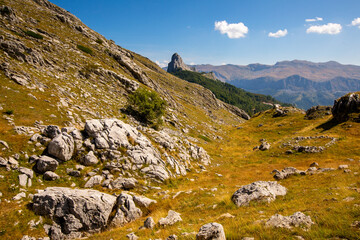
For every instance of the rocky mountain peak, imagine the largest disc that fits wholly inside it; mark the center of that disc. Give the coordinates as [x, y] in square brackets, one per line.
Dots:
[177, 64]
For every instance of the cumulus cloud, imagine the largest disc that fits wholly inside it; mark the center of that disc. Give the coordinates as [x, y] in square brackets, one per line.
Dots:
[278, 34]
[314, 19]
[356, 22]
[330, 28]
[162, 63]
[233, 30]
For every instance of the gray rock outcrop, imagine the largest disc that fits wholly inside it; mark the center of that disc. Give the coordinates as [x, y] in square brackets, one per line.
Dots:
[177, 64]
[74, 210]
[298, 219]
[172, 218]
[62, 147]
[211, 231]
[126, 210]
[149, 223]
[317, 112]
[345, 106]
[258, 191]
[51, 176]
[45, 163]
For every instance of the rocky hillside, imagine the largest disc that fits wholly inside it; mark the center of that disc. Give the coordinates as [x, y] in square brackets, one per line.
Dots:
[75, 162]
[302, 83]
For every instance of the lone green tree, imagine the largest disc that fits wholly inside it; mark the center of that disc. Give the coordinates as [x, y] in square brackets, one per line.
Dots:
[146, 106]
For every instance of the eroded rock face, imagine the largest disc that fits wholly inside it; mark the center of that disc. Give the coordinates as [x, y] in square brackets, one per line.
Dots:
[62, 147]
[346, 105]
[298, 219]
[75, 210]
[211, 231]
[258, 191]
[177, 64]
[126, 212]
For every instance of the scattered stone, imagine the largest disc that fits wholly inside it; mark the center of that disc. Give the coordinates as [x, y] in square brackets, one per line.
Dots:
[211, 231]
[142, 201]
[356, 224]
[172, 218]
[287, 172]
[226, 215]
[248, 238]
[51, 176]
[264, 146]
[93, 181]
[132, 236]
[258, 191]
[149, 223]
[23, 180]
[314, 164]
[341, 167]
[4, 144]
[19, 196]
[298, 219]
[45, 163]
[27, 171]
[89, 159]
[172, 237]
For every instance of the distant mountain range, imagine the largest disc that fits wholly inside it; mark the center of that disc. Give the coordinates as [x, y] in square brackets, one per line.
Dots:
[301, 83]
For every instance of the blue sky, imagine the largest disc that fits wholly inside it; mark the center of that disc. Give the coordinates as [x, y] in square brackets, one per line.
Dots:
[158, 28]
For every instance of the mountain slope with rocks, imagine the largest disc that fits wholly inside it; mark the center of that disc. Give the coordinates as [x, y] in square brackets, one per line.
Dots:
[74, 162]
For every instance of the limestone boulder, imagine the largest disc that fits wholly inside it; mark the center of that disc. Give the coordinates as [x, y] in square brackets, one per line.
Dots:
[45, 163]
[298, 219]
[211, 231]
[74, 210]
[62, 147]
[258, 191]
[172, 218]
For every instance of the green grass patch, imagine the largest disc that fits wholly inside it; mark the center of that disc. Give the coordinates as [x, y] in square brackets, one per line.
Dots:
[34, 34]
[9, 112]
[205, 138]
[85, 49]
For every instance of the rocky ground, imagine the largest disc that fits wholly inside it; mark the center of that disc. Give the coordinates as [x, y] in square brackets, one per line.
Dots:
[73, 164]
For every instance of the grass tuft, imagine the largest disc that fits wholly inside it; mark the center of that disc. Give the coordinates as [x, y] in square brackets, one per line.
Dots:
[85, 49]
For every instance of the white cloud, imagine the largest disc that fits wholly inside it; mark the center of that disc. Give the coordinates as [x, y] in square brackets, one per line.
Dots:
[233, 30]
[314, 19]
[356, 22]
[330, 28]
[278, 34]
[163, 63]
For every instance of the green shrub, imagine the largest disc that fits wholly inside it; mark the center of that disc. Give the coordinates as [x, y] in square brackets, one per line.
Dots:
[34, 34]
[205, 138]
[99, 41]
[84, 49]
[147, 106]
[9, 112]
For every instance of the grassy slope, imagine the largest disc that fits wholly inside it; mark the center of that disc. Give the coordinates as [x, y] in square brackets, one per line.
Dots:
[239, 164]
[250, 102]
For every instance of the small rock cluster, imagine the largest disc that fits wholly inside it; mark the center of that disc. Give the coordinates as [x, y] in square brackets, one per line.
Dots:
[298, 219]
[295, 144]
